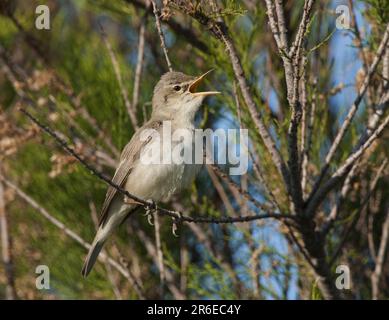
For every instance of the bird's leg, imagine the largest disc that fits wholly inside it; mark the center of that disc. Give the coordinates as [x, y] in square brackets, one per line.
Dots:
[131, 201]
[149, 210]
[175, 223]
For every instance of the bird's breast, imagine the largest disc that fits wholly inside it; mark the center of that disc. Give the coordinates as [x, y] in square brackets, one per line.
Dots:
[173, 168]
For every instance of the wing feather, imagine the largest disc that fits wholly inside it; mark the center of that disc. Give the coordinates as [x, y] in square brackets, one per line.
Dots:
[130, 154]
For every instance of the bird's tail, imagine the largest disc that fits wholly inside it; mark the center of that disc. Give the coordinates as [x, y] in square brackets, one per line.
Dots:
[105, 230]
[91, 258]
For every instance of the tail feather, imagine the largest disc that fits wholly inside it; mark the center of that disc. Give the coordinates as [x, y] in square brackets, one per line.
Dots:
[105, 230]
[92, 257]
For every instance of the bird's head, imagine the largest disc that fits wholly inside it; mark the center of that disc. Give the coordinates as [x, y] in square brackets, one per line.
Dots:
[176, 95]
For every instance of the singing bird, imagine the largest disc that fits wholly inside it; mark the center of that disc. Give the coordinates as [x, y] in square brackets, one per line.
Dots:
[175, 103]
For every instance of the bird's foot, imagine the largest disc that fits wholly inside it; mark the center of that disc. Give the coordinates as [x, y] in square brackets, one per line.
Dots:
[149, 210]
[175, 224]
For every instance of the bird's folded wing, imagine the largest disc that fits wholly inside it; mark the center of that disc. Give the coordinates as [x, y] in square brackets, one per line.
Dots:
[130, 154]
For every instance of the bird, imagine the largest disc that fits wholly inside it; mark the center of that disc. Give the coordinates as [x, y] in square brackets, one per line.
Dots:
[175, 102]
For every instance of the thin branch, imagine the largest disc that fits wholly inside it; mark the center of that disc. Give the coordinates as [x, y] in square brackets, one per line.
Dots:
[115, 64]
[254, 264]
[258, 171]
[356, 154]
[274, 26]
[359, 45]
[158, 246]
[375, 277]
[308, 4]
[282, 24]
[139, 62]
[306, 148]
[161, 36]
[370, 235]
[244, 179]
[220, 190]
[184, 265]
[281, 43]
[253, 158]
[6, 249]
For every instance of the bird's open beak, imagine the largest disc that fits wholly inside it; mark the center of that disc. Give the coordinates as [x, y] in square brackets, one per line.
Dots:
[193, 86]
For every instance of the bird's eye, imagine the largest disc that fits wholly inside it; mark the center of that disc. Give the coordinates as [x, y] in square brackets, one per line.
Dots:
[177, 88]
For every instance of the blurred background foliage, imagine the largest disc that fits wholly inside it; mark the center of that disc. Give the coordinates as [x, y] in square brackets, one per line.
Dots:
[68, 73]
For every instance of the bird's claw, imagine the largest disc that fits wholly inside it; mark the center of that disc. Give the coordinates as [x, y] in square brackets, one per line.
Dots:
[149, 210]
[174, 229]
[175, 224]
[150, 219]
